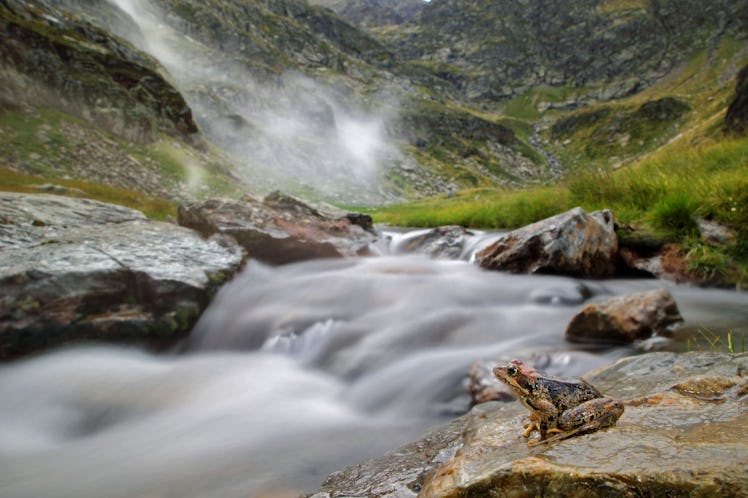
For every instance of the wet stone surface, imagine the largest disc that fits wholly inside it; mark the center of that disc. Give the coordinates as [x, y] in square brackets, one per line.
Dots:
[76, 269]
[683, 432]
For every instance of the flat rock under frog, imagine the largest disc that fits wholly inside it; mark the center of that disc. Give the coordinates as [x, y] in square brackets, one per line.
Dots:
[560, 408]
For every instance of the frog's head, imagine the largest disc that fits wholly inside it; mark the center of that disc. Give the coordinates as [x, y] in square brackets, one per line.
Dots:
[520, 378]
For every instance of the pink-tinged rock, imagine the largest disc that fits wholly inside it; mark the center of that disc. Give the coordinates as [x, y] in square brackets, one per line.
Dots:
[280, 229]
[573, 243]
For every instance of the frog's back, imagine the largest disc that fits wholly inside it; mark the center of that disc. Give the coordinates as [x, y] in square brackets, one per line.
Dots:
[568, 393]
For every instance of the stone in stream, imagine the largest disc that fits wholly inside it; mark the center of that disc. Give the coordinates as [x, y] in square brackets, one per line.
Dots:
[573, 243]
[684, 432]
[447, 242]
[281, 229]
[76, 269]
[625, 319]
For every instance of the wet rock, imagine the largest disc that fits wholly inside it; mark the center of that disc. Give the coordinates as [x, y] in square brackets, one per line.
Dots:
[483, 386]
[627, 318]
[673, 262]
[564, 294]
[442, 242]
[77, 269]
[683, 433]
[572, 243]
[278, 230]
[715, 233]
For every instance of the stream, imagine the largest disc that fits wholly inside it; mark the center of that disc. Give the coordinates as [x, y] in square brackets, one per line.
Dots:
[300, 370]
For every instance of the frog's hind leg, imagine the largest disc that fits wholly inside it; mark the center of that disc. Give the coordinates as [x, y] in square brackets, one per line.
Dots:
[604, 421]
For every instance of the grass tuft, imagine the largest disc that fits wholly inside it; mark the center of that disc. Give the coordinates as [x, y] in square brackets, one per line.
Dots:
[675, 214]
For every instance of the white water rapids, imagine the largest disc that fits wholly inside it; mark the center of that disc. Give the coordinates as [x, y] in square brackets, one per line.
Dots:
[294, 372]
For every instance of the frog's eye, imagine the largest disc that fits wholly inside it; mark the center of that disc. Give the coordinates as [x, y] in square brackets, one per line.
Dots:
[511, 370]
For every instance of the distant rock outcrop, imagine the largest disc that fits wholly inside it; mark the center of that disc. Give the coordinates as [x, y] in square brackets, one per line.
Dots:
[571, 243]
[280, 229]
[50, 59]
[76, 270]
[682, 434]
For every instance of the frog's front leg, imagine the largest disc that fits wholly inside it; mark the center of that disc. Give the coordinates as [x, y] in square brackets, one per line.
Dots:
[590, 416]
[543, 416]
[531, 426]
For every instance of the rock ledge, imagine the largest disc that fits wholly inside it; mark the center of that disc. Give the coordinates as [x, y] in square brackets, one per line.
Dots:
[684, 433]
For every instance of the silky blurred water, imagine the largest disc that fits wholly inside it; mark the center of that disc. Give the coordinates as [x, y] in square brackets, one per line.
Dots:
[296, 371]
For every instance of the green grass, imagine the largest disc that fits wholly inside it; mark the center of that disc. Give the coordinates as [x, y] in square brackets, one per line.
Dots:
[710, 181]
[662, 195]
[478, 208]
[666, 192]
[709, 340]
[50, 143]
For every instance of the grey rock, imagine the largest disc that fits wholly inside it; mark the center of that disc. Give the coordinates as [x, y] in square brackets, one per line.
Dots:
[627, 318]
[442, 242]
[683, 433]
[77, 269]
[715, 233]
[572, 243]
[280, 229]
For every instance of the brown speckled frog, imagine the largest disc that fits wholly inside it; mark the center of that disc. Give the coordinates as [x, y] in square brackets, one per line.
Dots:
[558, 407]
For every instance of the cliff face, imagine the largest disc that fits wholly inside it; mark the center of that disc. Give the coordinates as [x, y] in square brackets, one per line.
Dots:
[497, 49]
[52, 60]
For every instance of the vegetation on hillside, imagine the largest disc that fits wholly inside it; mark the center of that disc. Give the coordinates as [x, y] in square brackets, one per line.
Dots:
[661, 195]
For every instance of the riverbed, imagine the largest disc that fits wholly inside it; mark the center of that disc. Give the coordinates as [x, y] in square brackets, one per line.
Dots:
[297, 371]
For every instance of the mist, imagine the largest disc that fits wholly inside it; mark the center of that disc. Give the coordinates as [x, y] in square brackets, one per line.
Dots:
[289, 132]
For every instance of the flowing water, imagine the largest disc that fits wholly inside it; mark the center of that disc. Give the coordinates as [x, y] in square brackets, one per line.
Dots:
[296, 371]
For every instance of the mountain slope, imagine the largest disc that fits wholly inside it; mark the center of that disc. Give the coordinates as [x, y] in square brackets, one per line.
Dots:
[495, 50]
[445, 95]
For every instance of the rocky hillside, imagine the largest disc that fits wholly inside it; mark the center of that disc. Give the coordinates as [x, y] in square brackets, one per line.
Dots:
[50, 59]
[350, 101]
[495, 50]
[374, 13]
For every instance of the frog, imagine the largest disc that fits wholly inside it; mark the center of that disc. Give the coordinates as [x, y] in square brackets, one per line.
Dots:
[559, 408]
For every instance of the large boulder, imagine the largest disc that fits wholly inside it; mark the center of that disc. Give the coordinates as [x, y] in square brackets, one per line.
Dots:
[684, 432]
[280, 229]
[625, 319]
[77, 269]
[573, 243]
